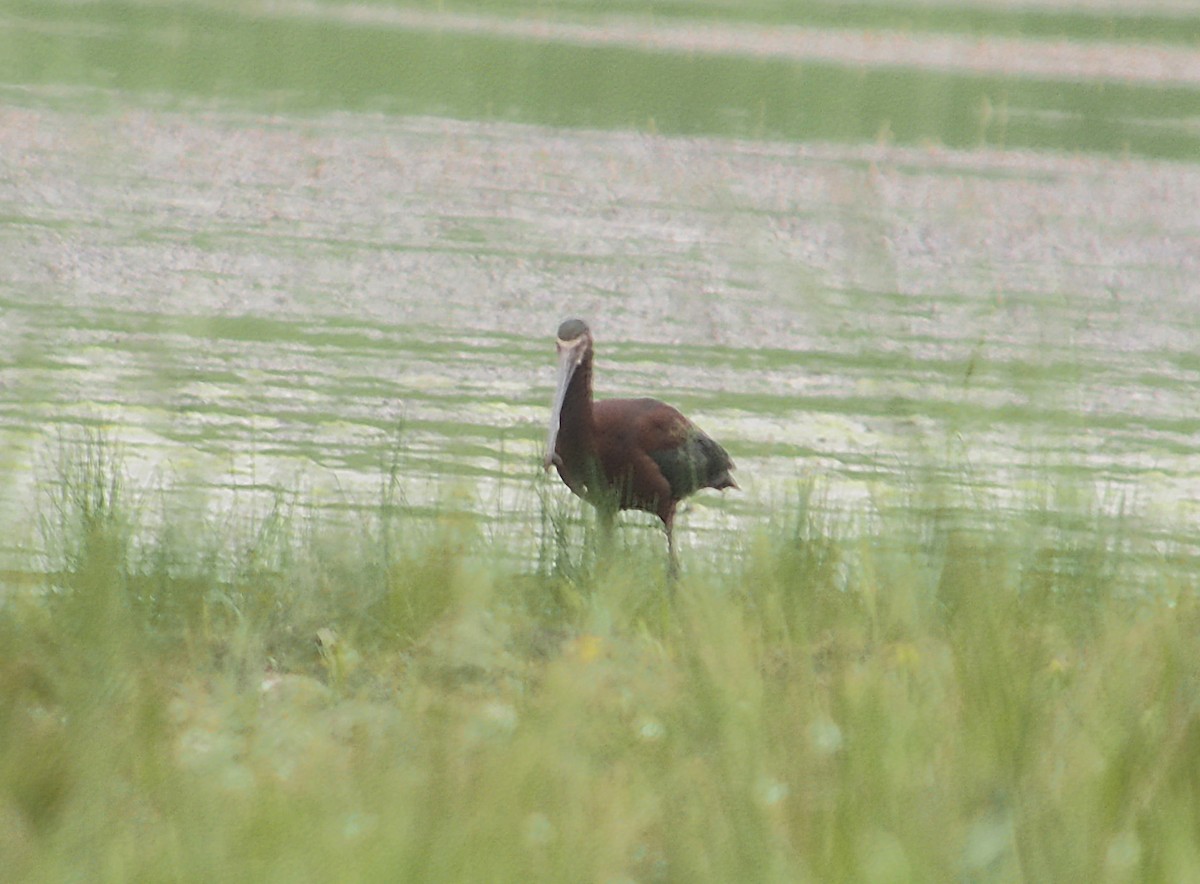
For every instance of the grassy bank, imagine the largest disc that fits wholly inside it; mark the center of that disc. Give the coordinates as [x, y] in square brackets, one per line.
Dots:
[292, 702]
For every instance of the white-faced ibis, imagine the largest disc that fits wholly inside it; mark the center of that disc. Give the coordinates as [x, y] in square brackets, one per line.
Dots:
[620, 454]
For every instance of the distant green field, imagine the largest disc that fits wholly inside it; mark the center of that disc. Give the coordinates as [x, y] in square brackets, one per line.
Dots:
[320, 56]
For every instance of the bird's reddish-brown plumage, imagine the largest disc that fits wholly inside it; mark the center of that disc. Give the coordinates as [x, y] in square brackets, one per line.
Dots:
[626, 453]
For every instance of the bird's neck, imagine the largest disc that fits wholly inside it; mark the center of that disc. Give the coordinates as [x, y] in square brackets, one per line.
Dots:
[576, 418]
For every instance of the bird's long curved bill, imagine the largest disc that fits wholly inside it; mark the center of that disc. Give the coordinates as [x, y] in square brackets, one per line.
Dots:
[568, 361]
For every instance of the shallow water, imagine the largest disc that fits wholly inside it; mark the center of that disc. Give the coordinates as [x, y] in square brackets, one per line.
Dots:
[260, 283]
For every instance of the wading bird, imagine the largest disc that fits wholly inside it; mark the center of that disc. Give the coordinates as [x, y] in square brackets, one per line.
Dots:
[620, 454]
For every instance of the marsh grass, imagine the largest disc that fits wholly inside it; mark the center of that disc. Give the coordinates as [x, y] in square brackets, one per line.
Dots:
[923, 701]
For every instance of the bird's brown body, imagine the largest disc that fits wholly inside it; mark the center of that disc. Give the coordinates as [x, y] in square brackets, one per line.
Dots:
[626, 453]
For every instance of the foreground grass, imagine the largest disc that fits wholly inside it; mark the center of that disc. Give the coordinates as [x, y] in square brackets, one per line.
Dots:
[932, 704]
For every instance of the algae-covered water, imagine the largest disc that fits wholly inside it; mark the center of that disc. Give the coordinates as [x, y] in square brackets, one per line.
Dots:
[281, 245]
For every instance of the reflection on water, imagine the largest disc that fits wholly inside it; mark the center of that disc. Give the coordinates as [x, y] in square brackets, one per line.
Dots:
[253, 301]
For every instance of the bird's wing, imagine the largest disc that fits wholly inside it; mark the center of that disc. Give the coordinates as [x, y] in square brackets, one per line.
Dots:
[685, 455]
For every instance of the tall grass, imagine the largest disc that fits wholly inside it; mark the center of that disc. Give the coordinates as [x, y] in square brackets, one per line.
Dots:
[923, 702]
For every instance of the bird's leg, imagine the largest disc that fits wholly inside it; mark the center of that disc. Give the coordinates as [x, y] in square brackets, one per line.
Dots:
[606, 519]
[672, 558]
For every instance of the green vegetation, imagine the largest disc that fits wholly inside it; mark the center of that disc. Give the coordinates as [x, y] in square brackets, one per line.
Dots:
[281, 701]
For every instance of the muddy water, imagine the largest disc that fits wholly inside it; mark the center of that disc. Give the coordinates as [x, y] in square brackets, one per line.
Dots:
[252, 300]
